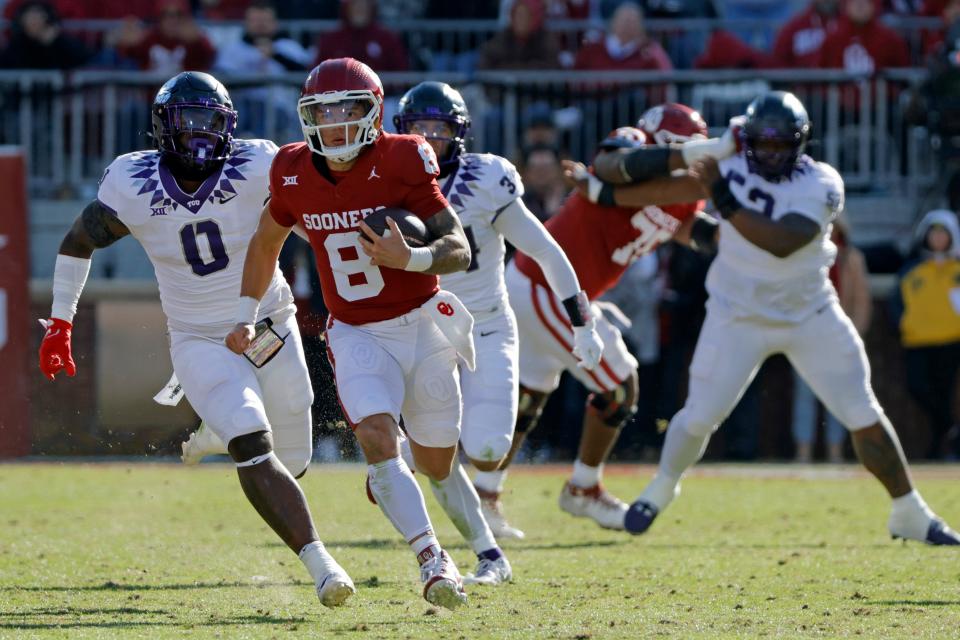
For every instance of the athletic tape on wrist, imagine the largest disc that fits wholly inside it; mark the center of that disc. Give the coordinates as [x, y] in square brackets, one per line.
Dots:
[421, 259]
[247, 310]
[69, 277]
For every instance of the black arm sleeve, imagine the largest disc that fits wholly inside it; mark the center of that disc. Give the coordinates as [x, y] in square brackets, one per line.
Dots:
[645, 163]
[703, 234]
[723, 199]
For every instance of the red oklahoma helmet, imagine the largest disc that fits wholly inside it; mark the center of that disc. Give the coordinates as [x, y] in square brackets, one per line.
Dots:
[338, 94]
[623, 138]
[672, 122]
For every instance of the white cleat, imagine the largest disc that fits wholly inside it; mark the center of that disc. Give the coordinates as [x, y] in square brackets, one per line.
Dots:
[442, 584]
[201, 443]
[492, 510]
[594, 502]
[490, 572]
[336, 588]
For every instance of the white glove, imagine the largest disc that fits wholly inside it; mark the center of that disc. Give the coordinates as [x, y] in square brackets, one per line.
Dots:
[717, 148]
[594, 184]
[587, 346]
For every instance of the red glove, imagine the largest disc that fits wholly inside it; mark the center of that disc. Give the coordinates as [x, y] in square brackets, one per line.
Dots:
[55, 353]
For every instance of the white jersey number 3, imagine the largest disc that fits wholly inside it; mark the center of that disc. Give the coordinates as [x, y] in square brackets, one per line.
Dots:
[356, 278]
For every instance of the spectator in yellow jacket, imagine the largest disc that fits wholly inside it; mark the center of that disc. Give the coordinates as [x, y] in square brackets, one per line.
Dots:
[926, 307]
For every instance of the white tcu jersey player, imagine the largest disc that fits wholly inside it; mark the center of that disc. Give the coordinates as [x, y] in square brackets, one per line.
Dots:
[478, 190]
[752, 281]
[197, 242]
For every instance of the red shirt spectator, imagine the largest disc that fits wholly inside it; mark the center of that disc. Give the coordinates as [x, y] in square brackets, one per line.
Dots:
[799, 41]
[524, 44]
[861, 44]
[625, 46]
[727, 51]
[360, 37]
[176, 43]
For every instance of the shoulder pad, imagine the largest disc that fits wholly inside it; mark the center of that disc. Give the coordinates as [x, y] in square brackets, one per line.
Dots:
[493, 176]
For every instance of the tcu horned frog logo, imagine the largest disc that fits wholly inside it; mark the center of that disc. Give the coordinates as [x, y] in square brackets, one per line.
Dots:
[445, 309]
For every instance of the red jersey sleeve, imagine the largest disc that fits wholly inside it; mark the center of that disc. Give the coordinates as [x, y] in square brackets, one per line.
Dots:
[420, 169]
[279, 208]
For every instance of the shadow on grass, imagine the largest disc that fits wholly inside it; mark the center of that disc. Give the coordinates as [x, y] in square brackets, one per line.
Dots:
[916, 603]
[66, 611]
[559, 546]
[375, 544]
[784, 546]
[121, 624]
[380, 544]
[116, 586]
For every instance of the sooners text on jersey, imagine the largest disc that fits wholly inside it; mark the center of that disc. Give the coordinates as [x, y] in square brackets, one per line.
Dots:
[396, 171]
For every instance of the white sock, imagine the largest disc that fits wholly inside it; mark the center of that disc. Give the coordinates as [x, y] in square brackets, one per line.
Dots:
[910, 516]
[398, 496]
[681, 450]
[490, 481]
[911, 505]
[318, 562]
[460, 501]
[585, 476]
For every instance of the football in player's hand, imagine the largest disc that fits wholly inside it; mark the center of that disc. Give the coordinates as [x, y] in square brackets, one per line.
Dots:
[413, 229]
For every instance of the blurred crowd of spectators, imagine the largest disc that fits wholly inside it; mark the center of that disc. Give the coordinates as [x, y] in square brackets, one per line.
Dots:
[171, 35]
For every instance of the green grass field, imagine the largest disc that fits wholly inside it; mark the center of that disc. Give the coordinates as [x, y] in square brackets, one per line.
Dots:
[163, 551]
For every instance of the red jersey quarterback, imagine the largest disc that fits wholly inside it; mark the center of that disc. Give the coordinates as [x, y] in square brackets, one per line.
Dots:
[393, 336]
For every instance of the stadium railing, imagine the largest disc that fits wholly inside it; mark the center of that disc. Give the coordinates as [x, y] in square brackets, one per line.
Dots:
[74, 124]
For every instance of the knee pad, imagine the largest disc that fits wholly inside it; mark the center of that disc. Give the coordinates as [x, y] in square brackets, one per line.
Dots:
[616, 406]
[251, 448]
[529, 409]
[293, 442]
[487, 432]
[296, 460]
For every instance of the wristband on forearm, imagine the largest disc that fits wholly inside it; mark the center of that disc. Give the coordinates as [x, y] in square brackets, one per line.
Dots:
[645, 163]
[247, 310]
[723, 199]
[578, 309]
[606, 196]
[421, 259]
